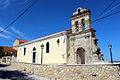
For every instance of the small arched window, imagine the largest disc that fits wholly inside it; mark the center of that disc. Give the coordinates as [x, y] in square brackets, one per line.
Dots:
[47, 47]
[76, 26]
[76, 23]
[58, 41]
[34, 49]
[79, 10]
[83, 24]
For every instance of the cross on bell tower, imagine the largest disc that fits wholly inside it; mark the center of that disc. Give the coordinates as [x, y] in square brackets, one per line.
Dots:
[81, 20]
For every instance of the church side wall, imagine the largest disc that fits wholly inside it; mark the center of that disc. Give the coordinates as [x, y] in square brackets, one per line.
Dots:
[56, 55]
[73, 72]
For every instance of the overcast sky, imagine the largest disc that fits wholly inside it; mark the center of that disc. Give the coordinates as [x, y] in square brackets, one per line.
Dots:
[50, 16]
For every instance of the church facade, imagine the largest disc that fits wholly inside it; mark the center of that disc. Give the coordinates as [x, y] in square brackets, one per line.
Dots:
[77, 45]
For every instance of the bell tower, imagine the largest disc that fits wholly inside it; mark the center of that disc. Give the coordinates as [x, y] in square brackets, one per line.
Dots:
[81, 20]
[83, 47]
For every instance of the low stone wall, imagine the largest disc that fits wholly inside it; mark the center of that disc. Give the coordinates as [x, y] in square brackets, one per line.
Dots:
[73, 72]
[5, 60]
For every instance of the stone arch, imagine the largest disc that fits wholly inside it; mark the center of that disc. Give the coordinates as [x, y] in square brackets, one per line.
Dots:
[80, 56]
[83, 23]
[78, 10]
[76, 25]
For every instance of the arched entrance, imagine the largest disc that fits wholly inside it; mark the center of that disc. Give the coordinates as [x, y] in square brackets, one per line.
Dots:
[34, 55]
[80, 56]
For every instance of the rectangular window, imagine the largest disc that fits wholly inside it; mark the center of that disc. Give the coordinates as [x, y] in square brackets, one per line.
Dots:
[24, 51]
[47, 47]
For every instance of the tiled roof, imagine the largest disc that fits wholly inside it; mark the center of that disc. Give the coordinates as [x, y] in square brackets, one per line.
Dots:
[68, 29]
[8, 49]
[21, 40]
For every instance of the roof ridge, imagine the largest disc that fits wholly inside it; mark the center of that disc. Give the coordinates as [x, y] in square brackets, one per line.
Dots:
[48, 35]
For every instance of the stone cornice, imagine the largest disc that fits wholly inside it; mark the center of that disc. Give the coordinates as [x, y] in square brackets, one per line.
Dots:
[82, 32]
[79, 15]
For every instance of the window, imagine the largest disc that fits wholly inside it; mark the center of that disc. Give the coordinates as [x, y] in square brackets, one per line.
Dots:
[34, 49]
[76, 25]
[47, 47]
[58, 41]
[34, 55]
[83, 24]
[24, 51]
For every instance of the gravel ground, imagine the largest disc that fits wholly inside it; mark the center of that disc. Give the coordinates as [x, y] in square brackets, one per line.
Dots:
[11, 73]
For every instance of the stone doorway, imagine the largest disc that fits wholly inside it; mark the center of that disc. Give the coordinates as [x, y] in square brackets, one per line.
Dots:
[80, 56]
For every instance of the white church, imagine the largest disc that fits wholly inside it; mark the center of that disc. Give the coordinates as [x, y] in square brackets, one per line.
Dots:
[77, 45]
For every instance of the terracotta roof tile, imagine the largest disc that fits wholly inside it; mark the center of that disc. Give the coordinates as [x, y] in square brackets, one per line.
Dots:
[21, 40]
[8, 49]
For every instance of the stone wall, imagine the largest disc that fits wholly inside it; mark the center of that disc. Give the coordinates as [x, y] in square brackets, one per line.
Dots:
[5, 60]
[73, 72]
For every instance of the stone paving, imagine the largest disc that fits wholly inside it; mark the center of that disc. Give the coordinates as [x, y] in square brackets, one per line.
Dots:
[10, 73]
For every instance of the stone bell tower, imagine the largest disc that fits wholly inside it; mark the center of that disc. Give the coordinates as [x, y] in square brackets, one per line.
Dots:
[83, 44]
[81, 20]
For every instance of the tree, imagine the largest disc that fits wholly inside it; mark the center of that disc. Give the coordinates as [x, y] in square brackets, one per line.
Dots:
[1, 51]
[102, 56]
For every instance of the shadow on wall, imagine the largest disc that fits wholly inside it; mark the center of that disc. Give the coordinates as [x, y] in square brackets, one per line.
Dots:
[13, 74]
